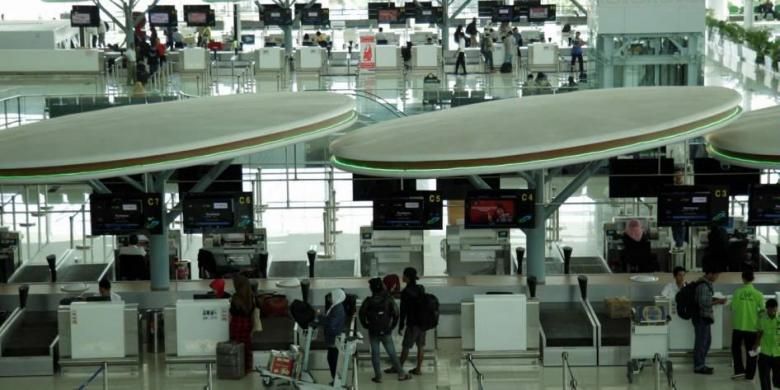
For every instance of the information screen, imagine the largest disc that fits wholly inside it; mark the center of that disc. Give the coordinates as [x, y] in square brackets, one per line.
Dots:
[709, 171]
[499, 209]
[764, 205]
[273, 15]
[199, 16]
[486, 8]
[684, 206]
[218, 212]
[503, 14]
[537, 14]
[640, 177]
[163, 16]
[85, 16]
[414, 211]
[114, 214]
[388, 15]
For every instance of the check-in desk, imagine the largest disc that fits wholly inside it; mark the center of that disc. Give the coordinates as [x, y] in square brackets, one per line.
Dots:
[52, 61]
[270, 60]
[192, 60]
[500, 325]
[193, 328]
[385, 252]
[478, 252]
[95, 332]
[681, 334]
[426, 57]
[310, 59]
[543, 57]
[387, 58]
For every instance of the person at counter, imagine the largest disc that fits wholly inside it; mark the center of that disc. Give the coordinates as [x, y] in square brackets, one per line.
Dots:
[703, 318]
[767, 347]
[104, 286]
[334, 323]
[576, 53]
[307, 41]
[670, 290]
[411, 299]
[487, 49]
[715, 256]
[380, 37]
[637, 255]
[178, 39]
[242, 304]
[460, 38]
[132, 248]
[746, 305]
[379, 314]
[471, 30]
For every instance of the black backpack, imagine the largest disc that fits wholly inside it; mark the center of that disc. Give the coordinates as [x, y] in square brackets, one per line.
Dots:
[350, 306]
[302, 313]
[686, 301]
[428, 314]
[379, 316]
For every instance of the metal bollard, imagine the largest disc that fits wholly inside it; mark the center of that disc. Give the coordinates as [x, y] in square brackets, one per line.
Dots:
[657, 366]
[210, 378]
[564, 358]
[468, 372]
[105, 376]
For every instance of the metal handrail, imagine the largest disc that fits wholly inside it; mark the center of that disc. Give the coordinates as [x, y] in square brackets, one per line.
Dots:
[568, 376]
[480, 376]
[104, 370]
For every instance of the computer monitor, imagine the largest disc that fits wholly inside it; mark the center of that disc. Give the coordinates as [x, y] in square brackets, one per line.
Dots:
[85, 16]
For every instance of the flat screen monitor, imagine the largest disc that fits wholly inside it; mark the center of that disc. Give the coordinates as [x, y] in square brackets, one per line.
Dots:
[115, 213]
[502, 13]
[373, 10]
[163, 16]
[641, 177]
[230, 180]
[485, 8]
[247, 39]
[218, 212]
[315, 17]
[764, 205]
[199, 16]
[537, 14]
[529, 2]
[84, 16]
[499, 209]
[685, 206]
[273, 15]
[709, 171]
[365, 188]
[412, 211]
[389, 15]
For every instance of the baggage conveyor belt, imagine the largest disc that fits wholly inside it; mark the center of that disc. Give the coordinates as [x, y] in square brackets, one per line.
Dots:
[566, 324]
[37, 331]
[81, 272]
[37, 273]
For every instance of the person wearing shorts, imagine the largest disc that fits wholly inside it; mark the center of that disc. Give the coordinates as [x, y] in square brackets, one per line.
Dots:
[411, 300]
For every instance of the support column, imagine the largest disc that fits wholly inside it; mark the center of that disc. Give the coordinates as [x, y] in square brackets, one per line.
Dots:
[535, 237]
[159, 263]
[748, 14]
[237, 23]
[445, 27]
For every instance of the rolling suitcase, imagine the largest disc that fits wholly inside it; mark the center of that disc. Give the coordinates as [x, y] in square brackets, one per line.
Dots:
[230, 360]
[506, 67]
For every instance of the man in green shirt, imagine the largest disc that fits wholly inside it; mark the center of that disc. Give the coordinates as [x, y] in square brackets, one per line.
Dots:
[769, 341]
[746, 303]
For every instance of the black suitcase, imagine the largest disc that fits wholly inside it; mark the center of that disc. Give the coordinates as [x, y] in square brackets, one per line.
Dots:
[506, 67]
[230, 360]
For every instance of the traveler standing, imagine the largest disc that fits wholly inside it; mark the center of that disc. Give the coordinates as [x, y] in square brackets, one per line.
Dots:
[334, 322]
[702, 320]
[508, 47]
[379, 315]
[242, 304]
[461, 54]
[746, 304]
[102, 28]
[576, 53]
[471, 30]
[487, 50]
[411, 301]
[769, 344]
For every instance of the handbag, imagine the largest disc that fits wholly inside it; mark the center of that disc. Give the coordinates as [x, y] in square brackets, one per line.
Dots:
[257, 323]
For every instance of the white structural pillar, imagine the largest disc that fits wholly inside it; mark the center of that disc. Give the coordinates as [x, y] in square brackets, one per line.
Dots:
[748, 14]
[720, 8]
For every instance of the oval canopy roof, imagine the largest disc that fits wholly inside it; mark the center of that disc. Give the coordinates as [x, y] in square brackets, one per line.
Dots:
[533, 133]
[161, 136]
[752, 141]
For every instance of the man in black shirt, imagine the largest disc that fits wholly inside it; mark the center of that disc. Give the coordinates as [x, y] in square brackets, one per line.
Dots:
[411, 301]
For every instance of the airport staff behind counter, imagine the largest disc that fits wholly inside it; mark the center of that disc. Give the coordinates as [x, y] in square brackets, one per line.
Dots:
[637, 255]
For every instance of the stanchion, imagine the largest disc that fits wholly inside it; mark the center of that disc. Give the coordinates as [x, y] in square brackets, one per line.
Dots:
[105, 376]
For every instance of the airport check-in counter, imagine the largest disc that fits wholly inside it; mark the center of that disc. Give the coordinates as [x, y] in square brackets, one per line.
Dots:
[478, 252]
[192, 60]
[10, 253]
[237, 252]
[28, 343]
[310, 59]
[737, 232]
[500, 324]
[426, 57]
[543, 57]
[387, 58]
[193, 328]
[385, 252]
[614, 341]
[568, 326]
[91, 333]
[270, 60]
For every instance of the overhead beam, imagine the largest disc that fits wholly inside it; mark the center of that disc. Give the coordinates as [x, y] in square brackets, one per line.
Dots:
[580, 7]
[460, 9]
[479, 183]
[133, 183]
[99, 187]
[202, 184]
[575, 184]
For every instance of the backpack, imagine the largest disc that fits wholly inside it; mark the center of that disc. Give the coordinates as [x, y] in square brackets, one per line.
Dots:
[428, 314]
[506, 67]
[302, 313]
[379, 316]
[686, 302]
[350, 306]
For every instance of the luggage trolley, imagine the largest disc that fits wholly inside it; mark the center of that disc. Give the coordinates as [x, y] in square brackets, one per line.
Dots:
[291, 367]
[649, 340]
